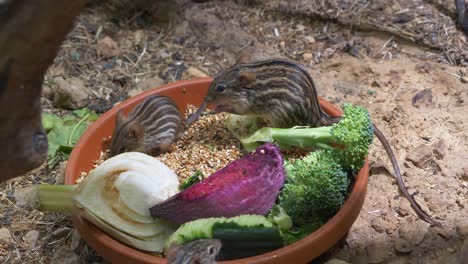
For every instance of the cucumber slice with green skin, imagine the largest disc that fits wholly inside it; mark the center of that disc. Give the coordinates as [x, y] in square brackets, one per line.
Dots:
[241, 236]
[241, 241]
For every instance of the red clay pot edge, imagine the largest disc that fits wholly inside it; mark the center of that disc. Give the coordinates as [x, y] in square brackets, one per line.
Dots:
[324, 238]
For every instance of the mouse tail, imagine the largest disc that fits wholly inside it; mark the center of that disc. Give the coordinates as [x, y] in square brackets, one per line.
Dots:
[416, 207]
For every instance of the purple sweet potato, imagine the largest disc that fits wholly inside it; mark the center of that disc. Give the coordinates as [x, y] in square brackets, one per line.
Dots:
[248, 185]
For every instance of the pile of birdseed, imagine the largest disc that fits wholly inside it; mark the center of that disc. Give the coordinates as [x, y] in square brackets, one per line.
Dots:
[206, 146]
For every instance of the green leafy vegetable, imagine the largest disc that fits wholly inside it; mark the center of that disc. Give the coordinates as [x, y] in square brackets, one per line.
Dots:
[64, 132]
[196, 177]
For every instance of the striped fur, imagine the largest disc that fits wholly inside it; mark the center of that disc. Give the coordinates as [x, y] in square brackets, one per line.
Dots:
[203, 251]
[150, 128]
[283, 93]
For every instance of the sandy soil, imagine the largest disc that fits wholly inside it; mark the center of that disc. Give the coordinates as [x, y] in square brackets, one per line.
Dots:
[419, 104]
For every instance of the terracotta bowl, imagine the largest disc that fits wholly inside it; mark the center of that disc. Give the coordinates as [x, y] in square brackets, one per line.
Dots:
[88, 149]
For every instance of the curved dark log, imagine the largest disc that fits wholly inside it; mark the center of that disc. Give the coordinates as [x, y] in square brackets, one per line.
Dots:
[31, 32]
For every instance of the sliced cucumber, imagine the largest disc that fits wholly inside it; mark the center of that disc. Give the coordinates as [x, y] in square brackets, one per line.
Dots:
[241, 236]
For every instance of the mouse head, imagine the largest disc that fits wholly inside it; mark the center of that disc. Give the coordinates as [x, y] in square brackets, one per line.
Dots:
[127, 136]
[232, 91]
[196, 252]
[160, 148]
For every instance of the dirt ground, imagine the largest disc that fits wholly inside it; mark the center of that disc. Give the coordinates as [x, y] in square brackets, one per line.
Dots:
[417, 95]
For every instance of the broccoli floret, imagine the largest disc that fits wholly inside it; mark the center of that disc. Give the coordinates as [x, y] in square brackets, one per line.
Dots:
[353, 134]
[315, 187]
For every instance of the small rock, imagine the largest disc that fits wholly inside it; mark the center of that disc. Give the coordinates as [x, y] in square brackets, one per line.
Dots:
[424, 67]
[282, 44]
[414, 232]
[383, 224]
[310, 39]
[107, 47]
[134, 92]
[451, 250]
[256, 52]
[24, 197]
[461, 225]
[419, 155]
[194, 72]
[336, 261]
[423, 97]
[56, 71]
[377, 253]
[61, 232]
[63, 255]
[60, 176]
[464, 172]
[30, 238]
[46, 91]
[404, 208]
[307, 56]
[379, 166]
[5, 235]
[300, 27]
[138, 36]
[440, 149]
[163, 54]
[70, 94]
[182, 29]
[402, 246]
[150, 83]
[444, 232]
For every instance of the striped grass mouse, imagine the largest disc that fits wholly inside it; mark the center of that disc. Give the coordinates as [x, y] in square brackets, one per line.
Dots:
[282, 92]
[151, 127]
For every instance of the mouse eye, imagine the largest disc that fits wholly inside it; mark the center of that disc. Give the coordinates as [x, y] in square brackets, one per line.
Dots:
[220, 87]
[211, 250]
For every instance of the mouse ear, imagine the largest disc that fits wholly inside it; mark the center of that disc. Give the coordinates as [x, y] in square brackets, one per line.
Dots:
[119, 118]
[137, 131]
[246, 78]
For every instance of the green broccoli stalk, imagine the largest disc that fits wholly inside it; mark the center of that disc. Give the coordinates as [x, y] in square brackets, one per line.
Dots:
[353, 134]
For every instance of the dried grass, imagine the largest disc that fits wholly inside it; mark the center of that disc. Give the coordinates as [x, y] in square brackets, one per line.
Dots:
[429, 23]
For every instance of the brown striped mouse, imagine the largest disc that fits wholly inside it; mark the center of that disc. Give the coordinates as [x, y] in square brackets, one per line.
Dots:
[151, 127]
[282, 92]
